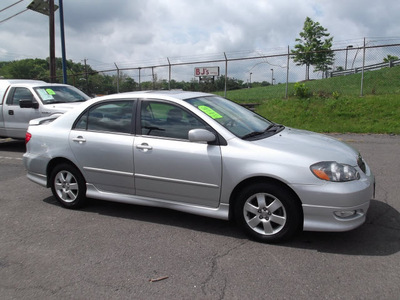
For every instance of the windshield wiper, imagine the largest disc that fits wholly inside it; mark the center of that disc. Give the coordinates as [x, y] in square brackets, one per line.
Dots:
[54, 102]
[252, 134]
[272, 128]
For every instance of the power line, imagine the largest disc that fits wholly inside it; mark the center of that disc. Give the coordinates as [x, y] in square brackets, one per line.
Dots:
[14, 15]
[11, 5]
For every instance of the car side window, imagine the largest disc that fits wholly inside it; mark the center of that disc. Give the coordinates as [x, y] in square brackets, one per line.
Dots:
[17, 94]
[167, 120]
[110, 117]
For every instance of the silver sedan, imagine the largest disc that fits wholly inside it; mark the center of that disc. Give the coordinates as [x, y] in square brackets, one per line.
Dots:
[201, 154]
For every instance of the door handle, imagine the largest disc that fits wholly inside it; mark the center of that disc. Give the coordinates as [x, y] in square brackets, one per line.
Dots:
[11, 112]
[79, 139]
[144, 147]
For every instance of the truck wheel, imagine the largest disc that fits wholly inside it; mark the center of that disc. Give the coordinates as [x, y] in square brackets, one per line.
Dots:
[268, 213]
[68, 186]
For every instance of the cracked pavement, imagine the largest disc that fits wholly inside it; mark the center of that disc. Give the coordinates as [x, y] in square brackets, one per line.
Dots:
[113, 251]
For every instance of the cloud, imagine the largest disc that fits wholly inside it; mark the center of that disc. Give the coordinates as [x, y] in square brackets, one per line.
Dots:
[135, 32]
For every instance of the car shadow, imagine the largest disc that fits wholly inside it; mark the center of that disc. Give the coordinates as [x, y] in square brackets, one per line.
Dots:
[379, 236]
[12, 145]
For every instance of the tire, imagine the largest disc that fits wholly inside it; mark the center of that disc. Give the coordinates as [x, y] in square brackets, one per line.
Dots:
[68, 186]
[268, 213]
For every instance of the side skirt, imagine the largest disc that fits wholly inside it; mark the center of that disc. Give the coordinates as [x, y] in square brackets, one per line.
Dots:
[222, 212]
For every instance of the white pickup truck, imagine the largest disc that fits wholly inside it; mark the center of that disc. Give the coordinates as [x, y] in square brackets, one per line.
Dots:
[24, 100]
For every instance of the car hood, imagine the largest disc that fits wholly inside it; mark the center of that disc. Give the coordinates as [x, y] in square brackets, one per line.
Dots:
[310, 146]
[62, 107]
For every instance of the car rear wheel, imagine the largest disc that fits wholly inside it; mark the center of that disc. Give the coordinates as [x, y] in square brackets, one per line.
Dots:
[68, 186]
[268, 212]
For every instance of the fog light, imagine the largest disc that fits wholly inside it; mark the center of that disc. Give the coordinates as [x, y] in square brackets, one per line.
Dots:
[345, 213]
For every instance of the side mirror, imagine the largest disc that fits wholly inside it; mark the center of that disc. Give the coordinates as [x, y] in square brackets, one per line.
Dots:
[201, 135]
[26, 103]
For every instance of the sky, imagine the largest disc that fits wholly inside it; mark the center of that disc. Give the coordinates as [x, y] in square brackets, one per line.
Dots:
[134, 33]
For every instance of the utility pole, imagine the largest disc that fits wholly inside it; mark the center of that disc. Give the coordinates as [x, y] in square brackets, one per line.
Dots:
[48, 9]
[226, 74]
[169, 74]
[52, 42]
[347, 50]
[86, 76]
[117, 77]
[64, 59]
[272, 78]
[140, 84]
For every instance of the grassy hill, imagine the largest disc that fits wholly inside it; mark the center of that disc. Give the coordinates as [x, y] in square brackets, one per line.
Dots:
[334, 104]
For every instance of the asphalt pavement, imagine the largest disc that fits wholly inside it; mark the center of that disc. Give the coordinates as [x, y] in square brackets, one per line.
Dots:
[117, 251]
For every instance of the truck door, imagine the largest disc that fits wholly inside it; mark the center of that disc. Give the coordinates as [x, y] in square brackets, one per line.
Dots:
[16, 119]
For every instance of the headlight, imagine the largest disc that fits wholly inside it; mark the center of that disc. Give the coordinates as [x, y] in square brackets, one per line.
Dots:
[333, 171]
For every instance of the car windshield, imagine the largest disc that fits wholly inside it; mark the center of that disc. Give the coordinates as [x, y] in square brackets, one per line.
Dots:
[60, 94]
[240, 121]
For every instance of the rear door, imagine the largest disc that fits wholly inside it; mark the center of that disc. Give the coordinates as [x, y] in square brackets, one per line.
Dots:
[102, 142]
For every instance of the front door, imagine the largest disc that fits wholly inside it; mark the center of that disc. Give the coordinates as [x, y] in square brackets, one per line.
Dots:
[170, 167]
[16, 119]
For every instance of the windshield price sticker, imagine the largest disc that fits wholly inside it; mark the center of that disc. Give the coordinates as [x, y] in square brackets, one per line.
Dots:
[210, 112]
[50, 92]
[45, 95]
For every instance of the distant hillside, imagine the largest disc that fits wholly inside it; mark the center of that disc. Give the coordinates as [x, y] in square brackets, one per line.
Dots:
[335, 104]
[380, 82]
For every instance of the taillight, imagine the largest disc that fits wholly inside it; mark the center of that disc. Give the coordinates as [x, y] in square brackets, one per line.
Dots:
[28, 137]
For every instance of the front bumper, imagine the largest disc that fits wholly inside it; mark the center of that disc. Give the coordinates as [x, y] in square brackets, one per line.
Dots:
[336, 206]
[322, 218]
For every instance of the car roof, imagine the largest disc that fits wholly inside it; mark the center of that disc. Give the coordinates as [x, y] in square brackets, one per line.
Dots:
[165, 94]
[27, 83]
[180, 94]
[39, 84]
[7, 82]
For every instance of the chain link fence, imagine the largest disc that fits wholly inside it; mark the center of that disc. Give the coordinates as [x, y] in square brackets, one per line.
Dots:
[247, 69]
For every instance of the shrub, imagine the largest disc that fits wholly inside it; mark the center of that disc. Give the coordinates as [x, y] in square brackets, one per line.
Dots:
[335, 95]
[301, 91]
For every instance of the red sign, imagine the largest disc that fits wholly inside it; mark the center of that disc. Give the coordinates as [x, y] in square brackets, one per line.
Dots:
[206, 71]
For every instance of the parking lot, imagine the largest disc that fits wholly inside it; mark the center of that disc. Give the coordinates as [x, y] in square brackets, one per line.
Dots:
[117, 251]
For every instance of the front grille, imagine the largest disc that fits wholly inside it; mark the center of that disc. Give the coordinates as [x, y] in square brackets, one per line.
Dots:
[361, 163]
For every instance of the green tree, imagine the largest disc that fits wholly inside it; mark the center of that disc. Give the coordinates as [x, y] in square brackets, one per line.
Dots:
[325, 57]
[26, 69]
[127, 84]
[231, 83]
[313, 48]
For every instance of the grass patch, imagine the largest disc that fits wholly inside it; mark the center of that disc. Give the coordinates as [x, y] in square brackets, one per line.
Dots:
[369, 114]
[335, 104]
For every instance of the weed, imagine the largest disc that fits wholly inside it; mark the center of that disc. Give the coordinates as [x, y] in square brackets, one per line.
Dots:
[335, 95]
[301, 90]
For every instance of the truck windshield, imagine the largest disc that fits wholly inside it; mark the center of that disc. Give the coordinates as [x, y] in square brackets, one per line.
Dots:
[60, 94]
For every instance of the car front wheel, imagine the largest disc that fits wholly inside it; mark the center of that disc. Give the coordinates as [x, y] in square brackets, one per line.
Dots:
[68, 186]
[268, 213]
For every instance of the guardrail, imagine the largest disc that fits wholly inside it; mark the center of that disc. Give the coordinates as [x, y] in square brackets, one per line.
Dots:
[389, 64]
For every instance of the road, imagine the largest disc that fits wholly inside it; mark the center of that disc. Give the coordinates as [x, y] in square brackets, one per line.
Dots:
[117, 251]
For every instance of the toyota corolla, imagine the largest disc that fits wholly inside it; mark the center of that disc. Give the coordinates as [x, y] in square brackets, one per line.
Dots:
[201, 154]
